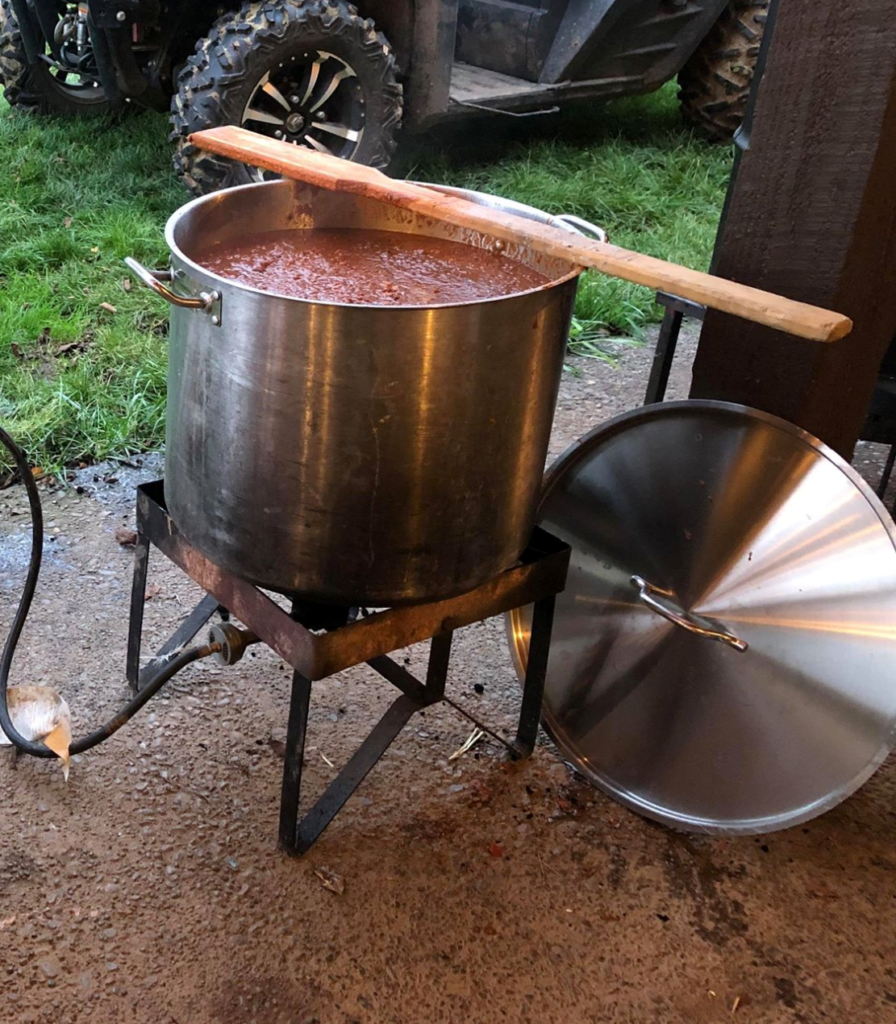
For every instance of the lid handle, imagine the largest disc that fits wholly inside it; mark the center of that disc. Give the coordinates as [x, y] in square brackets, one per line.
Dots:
[686, 620]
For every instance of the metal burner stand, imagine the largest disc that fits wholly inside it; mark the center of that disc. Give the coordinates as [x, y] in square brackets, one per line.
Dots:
[539, 577]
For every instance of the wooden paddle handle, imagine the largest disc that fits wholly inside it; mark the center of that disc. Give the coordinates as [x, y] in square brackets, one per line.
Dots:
[334, 174]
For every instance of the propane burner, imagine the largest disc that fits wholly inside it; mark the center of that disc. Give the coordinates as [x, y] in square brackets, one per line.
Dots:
[320, 640]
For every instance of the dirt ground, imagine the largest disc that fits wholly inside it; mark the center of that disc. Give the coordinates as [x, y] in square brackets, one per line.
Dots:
[150, 889]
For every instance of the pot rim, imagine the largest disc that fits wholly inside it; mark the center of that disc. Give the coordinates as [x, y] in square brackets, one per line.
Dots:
[511, 207]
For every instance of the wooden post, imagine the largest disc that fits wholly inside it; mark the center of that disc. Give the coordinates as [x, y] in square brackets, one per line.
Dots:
[811, 214]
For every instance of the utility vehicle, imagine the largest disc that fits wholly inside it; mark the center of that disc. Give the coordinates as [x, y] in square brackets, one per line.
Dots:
[344, 79]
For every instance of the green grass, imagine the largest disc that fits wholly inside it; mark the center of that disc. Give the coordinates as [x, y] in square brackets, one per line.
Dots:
[77, 197]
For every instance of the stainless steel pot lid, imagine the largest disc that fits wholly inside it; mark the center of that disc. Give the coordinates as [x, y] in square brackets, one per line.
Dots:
[724, 654]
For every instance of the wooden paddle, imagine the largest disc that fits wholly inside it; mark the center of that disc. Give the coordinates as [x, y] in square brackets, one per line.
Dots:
[343, 176]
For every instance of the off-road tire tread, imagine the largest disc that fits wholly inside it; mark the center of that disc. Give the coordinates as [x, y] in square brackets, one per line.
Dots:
[714, 85]
[20, 88]
[232, 53]
[13, 61]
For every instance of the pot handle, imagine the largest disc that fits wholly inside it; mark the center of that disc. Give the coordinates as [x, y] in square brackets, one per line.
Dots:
[584, 227]
[206, 301]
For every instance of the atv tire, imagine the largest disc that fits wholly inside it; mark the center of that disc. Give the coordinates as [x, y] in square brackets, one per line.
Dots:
[714, 85]
[38, 89]
[278, 43]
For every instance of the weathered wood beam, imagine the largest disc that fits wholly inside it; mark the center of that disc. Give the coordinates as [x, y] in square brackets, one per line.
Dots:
[811, 214]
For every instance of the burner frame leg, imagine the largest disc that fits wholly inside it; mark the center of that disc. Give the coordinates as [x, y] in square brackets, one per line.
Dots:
[437, 667]
[359, 765]
[298, 835]
[138, 603]
[185, 632]
[291, 789]
[536, 674]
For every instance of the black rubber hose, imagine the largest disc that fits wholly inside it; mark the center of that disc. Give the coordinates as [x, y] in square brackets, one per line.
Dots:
[149, 690]
[15, 631]
[18, 622]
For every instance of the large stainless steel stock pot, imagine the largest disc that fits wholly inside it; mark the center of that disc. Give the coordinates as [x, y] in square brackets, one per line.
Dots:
[354, 453]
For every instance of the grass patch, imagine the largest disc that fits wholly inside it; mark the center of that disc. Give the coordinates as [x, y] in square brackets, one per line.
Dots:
[78, 381]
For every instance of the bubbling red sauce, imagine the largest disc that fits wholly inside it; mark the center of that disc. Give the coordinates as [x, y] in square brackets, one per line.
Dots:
[382, 268]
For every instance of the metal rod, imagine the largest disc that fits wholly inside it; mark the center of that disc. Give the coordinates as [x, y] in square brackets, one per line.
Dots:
[536, 673]
[291, 790]
[437, 669]
[479, 725]
[138, 603]
[184, 633]
[663, 355]
[354, 773]
[400, 678]
[408, 684]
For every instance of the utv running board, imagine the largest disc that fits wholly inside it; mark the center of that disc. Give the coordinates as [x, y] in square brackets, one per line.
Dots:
[476, 89]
